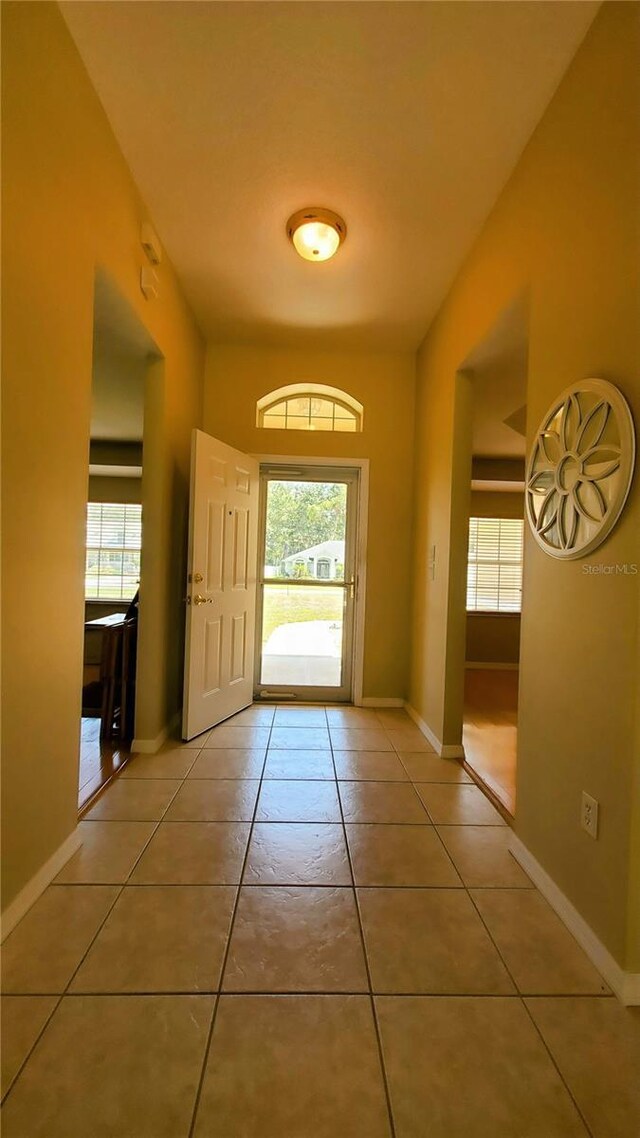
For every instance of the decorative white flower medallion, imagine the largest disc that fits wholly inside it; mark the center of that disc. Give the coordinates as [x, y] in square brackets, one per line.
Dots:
[580, 469]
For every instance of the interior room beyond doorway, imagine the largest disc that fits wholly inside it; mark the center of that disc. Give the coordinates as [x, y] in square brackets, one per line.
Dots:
[498, 369]
[121, 352]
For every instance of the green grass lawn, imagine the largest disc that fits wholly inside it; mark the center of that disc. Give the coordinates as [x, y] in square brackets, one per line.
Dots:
[290, 604]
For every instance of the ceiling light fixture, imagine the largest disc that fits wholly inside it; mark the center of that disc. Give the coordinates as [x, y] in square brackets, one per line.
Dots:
[316, 233]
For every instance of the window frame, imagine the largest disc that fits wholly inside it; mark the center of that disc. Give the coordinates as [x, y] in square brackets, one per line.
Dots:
[122, 549]
[497, 562]
[311, 391]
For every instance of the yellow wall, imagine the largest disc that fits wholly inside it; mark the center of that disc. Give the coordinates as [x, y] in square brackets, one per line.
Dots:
[493, 638]
[104, 488]
[566, 229]
[384, 383]
[69, 206]
[496, 504]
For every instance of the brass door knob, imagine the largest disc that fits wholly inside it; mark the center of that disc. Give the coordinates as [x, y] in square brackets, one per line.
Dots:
[200, 600]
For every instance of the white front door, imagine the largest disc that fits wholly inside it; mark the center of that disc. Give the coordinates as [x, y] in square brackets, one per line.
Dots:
[221, 585]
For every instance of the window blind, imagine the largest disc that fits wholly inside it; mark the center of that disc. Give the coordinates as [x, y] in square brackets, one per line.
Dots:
[114, 539]
[494, 570]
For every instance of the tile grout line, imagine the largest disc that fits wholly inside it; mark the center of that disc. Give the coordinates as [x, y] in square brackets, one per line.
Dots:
[557, 1068]
[525, 1008]
[209, 1040]
[289, 884]
[120, 886]
[113, 778]
[518, 993]
[35, 1043]
[90, 885]
[408, 995]
[372, 1003]
[198, 821]
[99, 791]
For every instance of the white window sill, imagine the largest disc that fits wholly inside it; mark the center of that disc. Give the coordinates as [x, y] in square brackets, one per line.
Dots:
[492, 612]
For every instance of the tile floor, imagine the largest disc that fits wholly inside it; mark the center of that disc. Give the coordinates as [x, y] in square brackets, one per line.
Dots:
[305, 924]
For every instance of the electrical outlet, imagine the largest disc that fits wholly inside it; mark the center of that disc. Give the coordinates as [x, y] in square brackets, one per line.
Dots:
[589, 815]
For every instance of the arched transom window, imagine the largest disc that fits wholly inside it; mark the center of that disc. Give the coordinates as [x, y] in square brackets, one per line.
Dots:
[310, 407]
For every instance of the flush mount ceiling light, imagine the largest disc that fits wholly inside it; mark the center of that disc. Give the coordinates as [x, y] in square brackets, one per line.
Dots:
[316, 233]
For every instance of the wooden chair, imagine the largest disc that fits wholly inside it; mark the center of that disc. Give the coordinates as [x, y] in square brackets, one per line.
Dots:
[110, 679]
[118, 680]
[129, 660]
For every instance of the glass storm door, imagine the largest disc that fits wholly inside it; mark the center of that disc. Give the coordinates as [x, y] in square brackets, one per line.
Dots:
[306, 583]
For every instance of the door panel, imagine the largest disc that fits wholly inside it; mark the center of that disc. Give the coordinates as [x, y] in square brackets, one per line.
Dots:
[221, 588]
[238, 648]
[240, 548]
[212, 656]
[215, 547]
[243, 480]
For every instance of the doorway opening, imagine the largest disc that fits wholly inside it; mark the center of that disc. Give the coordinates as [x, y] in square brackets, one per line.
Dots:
[114, 538]
[494, 568]
[307, 583]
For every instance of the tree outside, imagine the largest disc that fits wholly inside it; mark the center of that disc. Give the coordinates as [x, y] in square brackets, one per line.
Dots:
[301, 515]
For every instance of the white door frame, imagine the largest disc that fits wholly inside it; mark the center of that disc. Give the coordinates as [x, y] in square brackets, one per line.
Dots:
[349, 477]
[362, 465]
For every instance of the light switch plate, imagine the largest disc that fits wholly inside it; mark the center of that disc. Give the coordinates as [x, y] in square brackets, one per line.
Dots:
[589, 815]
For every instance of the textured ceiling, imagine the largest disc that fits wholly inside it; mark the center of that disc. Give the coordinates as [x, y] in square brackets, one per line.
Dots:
[406, 118]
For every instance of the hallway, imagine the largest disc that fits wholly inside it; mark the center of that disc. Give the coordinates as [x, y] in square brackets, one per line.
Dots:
[264, 928]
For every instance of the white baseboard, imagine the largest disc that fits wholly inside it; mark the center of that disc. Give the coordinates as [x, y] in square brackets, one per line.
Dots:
[451, 751]
[380, 701]
[150, 746]
[626, 985]
[443, 750]
[631, 989]
[491, 667]
[38, 883]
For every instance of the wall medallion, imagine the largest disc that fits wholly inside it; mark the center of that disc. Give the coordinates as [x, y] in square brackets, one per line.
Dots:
[580, 469]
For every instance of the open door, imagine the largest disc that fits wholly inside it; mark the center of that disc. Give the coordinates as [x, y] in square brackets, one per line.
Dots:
[221, 588]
